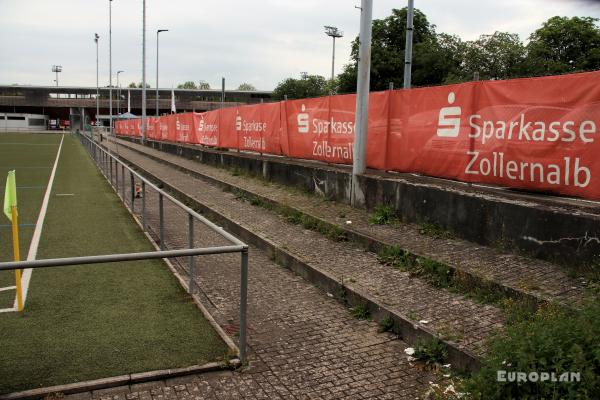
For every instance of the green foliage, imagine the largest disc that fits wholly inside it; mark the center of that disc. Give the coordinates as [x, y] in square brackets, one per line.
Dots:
[306, 86]
[361, 311]
[564, 45]
[496, 56]
[203, 85]
[396, 257]
[187, 85]
[551, 340]
[561, 45]
[434, 56]
[436, 273]
[431, 352]
[434, 230]
[138, 85]
[382, 215]
[386, 324]
[246, 86]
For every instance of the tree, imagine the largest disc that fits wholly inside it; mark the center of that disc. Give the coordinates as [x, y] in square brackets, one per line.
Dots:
[139, 85]
[432, 60]
[306, 86]
[203, 85]
[187, 85]
[563, 45]
[246, 86]
[496, 56]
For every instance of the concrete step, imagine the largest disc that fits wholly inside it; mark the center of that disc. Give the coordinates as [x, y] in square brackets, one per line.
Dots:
[356, 277]
[553, 228]
[488, 271]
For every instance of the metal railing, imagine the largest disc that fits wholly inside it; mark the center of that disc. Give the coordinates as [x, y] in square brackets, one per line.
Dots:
[109, 165]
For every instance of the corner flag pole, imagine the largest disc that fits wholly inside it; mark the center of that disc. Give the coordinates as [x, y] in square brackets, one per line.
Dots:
[17, 257]
[10, 210]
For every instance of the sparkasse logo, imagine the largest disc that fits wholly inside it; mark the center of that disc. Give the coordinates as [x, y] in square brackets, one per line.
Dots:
[303, 125]
[449, 119]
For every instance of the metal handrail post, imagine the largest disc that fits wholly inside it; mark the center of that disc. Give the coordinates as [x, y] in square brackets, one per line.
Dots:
[123, 183]
[144, 206]
[243, 304]
[191, 258]
[161, 218]
[132, 184]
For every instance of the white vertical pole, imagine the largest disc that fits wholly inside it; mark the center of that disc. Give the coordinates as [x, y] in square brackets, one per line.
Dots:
[409, 43]
[144, 73]
[110, 120]
[362, 100]
[333, 61]
[97, 82]
[157, 32]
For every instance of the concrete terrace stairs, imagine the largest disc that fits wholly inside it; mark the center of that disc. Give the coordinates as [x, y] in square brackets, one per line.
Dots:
[518, 276]
[461, 322]
[419, 309]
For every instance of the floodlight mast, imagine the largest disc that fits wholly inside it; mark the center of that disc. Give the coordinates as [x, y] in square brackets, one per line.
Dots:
[157, 95]
[335, 33]
[110, 96]
[96, 37]
[56, 69]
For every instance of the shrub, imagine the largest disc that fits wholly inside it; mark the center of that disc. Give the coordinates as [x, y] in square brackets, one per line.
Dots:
[552, 340]
[431, 352]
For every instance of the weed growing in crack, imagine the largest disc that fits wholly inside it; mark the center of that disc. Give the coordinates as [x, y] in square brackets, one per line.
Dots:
[361, 311]
[386, 324]
[382, 215]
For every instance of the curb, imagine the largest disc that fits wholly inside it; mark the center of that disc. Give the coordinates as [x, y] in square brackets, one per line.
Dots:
[458, 356]
[121, 380]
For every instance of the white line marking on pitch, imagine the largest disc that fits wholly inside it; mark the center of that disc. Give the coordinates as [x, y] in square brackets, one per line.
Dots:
[65, 194]
[4, 289]
[37, 233]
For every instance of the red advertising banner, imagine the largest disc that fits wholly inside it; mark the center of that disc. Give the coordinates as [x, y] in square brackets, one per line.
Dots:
[534, 133]
[258, 128]
[207, 128]
[228, 136]
[184, 127]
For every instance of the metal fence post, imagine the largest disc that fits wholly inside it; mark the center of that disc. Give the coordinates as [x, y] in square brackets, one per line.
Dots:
[144, 206]
[243, 304]
[111, 169]
[161, 218]
[132, 184]
[191, 258]
[123, 184]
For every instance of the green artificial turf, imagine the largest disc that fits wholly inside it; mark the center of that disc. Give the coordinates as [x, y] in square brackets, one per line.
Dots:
[32, 157]
[96, 321]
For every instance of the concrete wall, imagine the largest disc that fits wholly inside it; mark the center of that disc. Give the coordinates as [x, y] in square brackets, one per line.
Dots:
[557, 229]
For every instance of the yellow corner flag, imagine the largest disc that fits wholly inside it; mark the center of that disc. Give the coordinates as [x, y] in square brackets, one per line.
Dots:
[10, 210]
[10, 195]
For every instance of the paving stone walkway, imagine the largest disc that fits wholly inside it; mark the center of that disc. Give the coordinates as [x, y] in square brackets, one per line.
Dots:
[303, 343]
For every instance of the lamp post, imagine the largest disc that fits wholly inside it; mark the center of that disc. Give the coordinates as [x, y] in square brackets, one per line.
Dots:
[96, 37]
[362, 101]
[118, 94]
[110, 119]
[56, 69]
[333, 32]
[157, 32]
[409, 44]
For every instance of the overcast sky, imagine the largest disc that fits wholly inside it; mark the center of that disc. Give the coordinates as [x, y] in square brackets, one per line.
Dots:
[260, 42]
